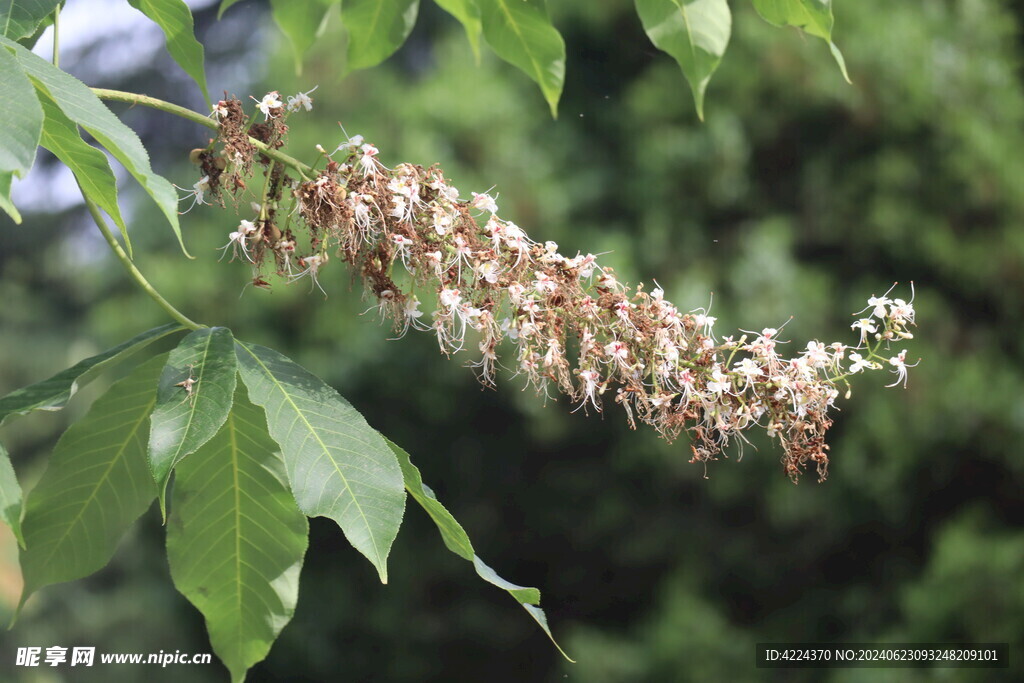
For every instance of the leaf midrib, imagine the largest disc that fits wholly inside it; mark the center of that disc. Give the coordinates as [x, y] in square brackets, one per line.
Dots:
[132, 433]
[526, 45]
[326, 450]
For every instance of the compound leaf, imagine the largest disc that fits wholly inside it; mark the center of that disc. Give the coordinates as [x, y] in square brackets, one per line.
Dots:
[175, 19]
[90, 166]
[83, 107]
[694, 32]
[235, 540]
[813, 17]
[376, 28]
[55, 392]
[23, 124]
[193, 400]
[468, 14]
[338, 466]
[301, 22]
[521, 33]
[96, 485]
[10, 496]
[20, 18]
[456, 540]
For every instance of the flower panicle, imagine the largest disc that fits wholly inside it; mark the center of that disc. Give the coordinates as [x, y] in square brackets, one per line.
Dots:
[573, 327]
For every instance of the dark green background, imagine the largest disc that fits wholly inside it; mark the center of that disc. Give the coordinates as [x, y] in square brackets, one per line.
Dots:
[801, 195]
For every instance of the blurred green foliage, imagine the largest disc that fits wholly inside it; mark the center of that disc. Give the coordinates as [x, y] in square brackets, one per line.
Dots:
[800, 196]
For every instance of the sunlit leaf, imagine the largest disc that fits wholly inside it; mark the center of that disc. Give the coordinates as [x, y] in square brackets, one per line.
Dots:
[520, 32]
[55, 392]
[96, 485]
[23, 124]
[694, 32]
[84, 108]
[456, 540]
[468, 14]
[10, 496]
[90, 166]
[811, 16]
[175, 19]
[235, 540]
[193, 400]
[19, 18]
[338, 466]
[376, 28]
[301, 22]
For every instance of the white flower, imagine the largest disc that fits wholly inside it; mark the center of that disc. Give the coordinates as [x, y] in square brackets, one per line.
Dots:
[719, 382]
[617, 350]
[368, 162]
[749, 369]
[200, 188]
[300, 101]
[866, 327]
[662, 400]
[483, 201]
[442, 220]
[450, 297]
[901, 312]
[816, 354]
[592, 388]
[878, 304]
[270, 102]
[899, 364]
[238, 239]
[312, 265]
[704, 322]
[489, 271]
[860, 363]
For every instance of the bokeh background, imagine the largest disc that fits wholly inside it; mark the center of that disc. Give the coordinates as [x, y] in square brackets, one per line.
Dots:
[801, 195]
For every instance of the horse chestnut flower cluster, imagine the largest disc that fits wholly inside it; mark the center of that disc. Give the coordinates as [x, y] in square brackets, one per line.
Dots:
[566, 324]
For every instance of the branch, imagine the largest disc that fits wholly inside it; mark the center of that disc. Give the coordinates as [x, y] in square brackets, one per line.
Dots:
[136, 274]
[196, 117]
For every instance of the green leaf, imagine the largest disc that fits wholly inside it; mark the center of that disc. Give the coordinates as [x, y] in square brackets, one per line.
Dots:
[23, 124]
[301, 23]
[19, 18]
[224, 6]
[175, 19]
[235, 540]
[30, 41]
[55, 392]
[96, 485]
[520, 32]
[193, 400]
[81, 106]
[90, 166]
[22, 117]
[5, 197]
[376, 28]
[694, 32]
[457, 541]
[10, 496]
[338, 466]
[813, 17]
[468, 14]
